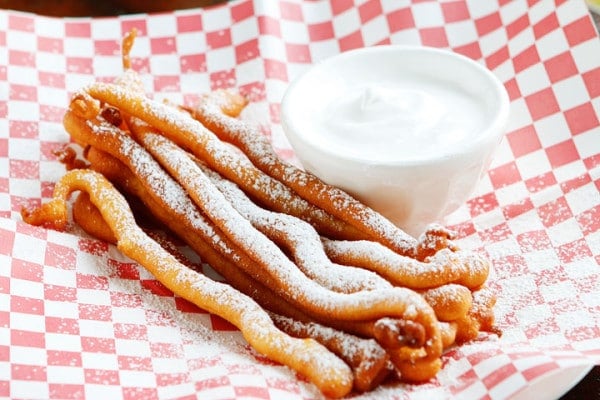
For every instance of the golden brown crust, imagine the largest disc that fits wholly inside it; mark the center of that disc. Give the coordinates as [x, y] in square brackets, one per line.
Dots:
[87, 215]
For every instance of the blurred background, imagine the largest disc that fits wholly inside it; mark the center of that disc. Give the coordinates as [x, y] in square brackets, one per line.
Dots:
[77, 8]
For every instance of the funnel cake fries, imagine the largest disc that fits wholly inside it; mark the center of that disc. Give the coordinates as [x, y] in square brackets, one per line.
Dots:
[300, 257]
[270, 265]
[306, 356]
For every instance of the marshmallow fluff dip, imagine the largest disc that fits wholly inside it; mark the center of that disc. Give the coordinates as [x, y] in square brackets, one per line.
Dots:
[408, 130]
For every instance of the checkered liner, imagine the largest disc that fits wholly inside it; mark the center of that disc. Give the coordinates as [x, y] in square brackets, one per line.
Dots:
[77, 319]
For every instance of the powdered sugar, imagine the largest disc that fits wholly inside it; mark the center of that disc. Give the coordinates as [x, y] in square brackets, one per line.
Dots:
[301, 239]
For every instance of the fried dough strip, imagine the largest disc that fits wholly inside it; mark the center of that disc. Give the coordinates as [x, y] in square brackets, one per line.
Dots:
[126, 46]
[417, 371]
[190, 134]
[68, 157]
[305, 356]
[213, 112]
[445, 266]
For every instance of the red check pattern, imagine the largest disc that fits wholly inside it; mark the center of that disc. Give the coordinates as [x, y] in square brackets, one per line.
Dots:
[78, 320]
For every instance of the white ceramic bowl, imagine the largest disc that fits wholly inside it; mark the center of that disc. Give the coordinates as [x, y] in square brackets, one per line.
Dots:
[415, 184]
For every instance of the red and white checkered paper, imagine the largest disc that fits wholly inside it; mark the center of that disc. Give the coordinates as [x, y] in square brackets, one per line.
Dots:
[77, 319]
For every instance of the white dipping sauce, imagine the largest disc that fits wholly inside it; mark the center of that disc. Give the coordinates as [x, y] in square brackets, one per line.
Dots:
[408, 130]
[403, 120]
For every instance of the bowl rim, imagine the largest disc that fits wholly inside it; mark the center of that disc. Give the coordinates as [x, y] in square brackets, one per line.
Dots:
[494, 128]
